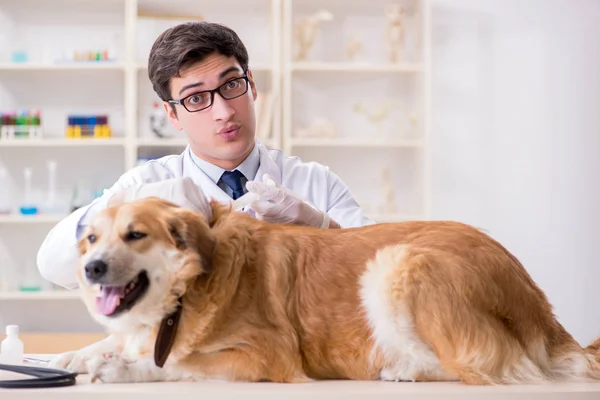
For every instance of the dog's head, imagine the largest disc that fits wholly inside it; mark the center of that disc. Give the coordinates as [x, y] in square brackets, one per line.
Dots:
[137, 259]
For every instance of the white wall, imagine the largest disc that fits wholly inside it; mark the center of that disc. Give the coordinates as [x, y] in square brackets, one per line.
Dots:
[516, 91]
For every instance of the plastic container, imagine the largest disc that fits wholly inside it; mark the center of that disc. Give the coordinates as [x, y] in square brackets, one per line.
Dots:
[52, 205]
[12, 349]
[28, 207]
[5, 192]
[29, 279]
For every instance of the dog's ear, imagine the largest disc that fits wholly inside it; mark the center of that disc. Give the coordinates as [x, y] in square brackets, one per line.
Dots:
[189, 230]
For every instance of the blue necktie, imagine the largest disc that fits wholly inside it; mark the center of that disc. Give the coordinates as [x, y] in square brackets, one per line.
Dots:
[233, 179]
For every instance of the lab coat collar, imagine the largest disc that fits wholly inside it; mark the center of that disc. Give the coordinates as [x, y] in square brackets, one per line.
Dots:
[210, 188]
[248, 167]
[267, 165]
[211, 170]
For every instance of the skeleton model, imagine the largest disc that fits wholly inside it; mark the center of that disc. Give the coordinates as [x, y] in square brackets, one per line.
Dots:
[413, 120]
[158, 120]
[306, 32]
[354, 46]
[394, 31]
[389, 194]
[319, 128]
[375, 116]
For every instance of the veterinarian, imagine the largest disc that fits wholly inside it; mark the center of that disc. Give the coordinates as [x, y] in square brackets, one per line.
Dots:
[200, 71]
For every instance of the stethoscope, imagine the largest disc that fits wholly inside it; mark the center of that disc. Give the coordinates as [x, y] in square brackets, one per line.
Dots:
[44, 377]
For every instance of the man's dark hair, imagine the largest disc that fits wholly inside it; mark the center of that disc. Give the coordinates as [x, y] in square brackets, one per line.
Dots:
[186, 44]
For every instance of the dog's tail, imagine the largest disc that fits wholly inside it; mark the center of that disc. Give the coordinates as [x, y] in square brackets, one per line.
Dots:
[592, 352]
[594, 349]
[570, 362]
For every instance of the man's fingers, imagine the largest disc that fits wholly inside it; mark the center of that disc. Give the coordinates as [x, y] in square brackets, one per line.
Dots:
[260, 207]
[246, 199]
[264, 191]
[269, 181]
[255, 187]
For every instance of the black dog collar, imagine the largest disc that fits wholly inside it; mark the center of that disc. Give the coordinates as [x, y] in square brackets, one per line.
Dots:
[166, 336]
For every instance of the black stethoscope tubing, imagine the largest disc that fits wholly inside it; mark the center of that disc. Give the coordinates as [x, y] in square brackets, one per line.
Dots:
[44, 377]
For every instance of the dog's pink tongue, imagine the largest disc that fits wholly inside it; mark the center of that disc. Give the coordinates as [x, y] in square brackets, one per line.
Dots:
[109, 298]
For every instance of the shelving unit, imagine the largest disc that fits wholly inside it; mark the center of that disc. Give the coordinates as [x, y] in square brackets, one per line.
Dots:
[122, 90]
[63, 142]
[355, 142]
[80, 66]
[316, 66]
[324, 87]
[41, 295]
[31, 219]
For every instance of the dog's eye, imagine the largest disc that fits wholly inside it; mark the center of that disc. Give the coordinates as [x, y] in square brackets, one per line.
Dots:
[135, 235]
[91, 238]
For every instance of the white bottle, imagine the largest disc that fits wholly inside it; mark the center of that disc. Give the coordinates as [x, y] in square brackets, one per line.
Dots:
[12, 349]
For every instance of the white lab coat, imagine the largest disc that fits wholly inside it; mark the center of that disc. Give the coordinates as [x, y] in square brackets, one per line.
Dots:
[57, 257]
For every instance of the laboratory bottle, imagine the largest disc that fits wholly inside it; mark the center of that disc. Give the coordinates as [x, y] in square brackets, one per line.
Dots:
[5, 192]
[12, 349]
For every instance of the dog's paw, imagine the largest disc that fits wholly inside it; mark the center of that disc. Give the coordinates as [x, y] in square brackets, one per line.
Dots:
[62, 361]
[109, 368]
[395, 375]
[74, 361]
[301, 379]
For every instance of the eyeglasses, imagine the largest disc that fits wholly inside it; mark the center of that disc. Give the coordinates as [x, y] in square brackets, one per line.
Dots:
[199, 101]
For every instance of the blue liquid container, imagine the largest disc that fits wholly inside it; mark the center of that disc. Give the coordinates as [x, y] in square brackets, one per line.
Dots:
[28, 209]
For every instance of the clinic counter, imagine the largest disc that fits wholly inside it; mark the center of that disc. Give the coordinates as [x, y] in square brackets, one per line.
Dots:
[330, 390]
[323, 390]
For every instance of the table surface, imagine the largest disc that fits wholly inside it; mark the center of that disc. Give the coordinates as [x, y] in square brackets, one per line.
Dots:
[218, 390]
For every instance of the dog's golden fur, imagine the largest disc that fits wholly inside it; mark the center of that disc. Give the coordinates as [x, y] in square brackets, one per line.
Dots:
[405, 301]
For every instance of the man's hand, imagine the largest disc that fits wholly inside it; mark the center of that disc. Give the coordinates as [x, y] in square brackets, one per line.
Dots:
[278, 204]
[180, 191]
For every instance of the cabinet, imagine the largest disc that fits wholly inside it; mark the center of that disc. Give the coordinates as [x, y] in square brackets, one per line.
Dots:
[350, 105]
[379, 110]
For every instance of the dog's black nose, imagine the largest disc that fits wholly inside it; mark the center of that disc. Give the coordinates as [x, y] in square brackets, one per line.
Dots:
[95, 270]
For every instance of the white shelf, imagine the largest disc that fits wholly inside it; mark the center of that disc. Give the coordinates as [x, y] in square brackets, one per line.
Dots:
[41, 295]
[31, 219]
[75, 66]
[354, 142]
[62, 142]
[276, 71]
[320, 88]
[355, 67]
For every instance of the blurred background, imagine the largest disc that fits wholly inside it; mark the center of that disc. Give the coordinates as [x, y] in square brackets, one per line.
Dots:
[480, 111]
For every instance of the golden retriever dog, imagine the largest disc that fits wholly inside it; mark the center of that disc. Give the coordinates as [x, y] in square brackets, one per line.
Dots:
[411, 301]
